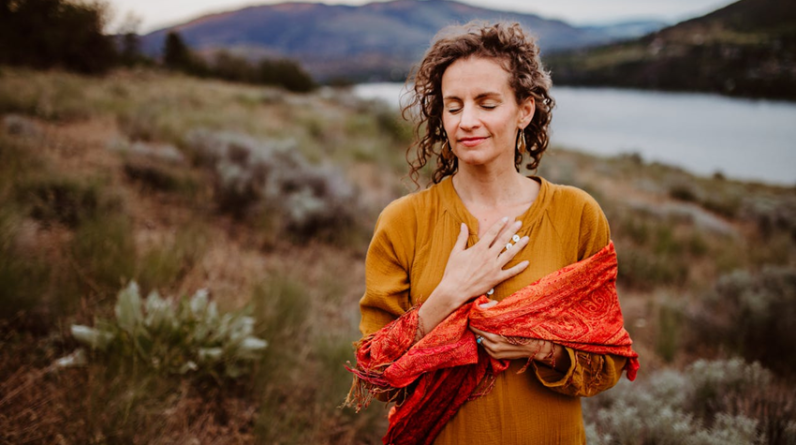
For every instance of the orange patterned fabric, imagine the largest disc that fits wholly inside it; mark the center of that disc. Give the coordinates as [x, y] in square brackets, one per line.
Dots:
[576, 307]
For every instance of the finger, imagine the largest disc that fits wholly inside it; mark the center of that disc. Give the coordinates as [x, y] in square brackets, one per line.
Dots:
[513, 270]
[461, 241]
[511, 251]
[495, 230]
[492, 303]
[488, 336]
[504, 239]
[477, 331]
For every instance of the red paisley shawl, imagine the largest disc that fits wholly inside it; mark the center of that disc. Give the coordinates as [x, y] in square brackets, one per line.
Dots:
[576, 306]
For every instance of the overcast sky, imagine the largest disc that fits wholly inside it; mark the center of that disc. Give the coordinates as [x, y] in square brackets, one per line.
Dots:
[155, 14]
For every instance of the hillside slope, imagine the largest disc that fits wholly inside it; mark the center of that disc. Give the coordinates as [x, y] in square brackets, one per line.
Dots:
[746, 49]
[170, 180]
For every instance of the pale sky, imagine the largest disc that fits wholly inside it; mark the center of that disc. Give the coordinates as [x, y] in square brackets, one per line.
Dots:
[156, 14]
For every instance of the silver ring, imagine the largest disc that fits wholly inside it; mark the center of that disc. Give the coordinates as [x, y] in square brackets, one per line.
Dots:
[479, 339]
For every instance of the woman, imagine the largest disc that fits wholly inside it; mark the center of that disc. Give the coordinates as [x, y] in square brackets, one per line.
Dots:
[484, 229]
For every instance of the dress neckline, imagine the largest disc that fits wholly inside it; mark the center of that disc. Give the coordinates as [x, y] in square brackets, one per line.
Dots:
[455, 206]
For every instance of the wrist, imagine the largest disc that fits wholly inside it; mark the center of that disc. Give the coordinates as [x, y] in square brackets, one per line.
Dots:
[421, 329]
[442, 300]
[552, 355]
[560, 358]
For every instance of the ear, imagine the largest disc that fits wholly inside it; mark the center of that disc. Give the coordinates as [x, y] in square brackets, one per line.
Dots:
[527, 110]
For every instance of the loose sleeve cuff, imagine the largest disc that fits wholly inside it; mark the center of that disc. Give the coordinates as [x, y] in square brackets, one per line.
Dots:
[553, 378]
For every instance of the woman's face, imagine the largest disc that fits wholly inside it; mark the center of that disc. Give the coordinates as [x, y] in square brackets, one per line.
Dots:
[481, 116]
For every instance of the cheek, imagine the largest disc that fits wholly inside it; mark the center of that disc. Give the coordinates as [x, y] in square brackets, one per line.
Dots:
[447, 125]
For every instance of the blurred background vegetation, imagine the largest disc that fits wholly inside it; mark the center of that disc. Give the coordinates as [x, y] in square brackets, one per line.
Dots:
[249, 181]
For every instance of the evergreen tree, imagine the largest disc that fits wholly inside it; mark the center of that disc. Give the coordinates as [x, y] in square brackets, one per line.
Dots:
[176, 54]
[55, 33]
[130, 53]
[285, 73]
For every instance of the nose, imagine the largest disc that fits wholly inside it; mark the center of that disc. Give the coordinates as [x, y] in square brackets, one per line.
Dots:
[469, 118]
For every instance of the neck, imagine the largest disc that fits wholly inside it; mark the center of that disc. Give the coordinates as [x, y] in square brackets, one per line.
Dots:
[482, 186]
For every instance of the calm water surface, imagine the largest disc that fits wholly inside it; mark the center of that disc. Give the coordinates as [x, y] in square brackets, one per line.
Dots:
[703, 133]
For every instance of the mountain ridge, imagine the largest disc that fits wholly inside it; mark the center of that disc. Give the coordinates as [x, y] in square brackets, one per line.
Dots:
[375, 41]
[747, 48]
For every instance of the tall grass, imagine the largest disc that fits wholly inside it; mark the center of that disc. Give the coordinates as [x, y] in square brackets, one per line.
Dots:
[303, 367]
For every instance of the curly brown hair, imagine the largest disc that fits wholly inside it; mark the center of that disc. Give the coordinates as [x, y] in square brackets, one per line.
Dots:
[517, 52]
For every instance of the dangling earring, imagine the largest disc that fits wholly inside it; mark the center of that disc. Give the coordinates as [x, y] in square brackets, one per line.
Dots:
[447, 154]
[521, 144]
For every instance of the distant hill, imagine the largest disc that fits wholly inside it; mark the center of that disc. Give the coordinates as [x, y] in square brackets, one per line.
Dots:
[376, 41]
[746, 49]
[627, 30]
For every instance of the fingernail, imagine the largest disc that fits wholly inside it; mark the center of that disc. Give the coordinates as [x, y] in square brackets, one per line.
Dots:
[505, 218]
[462, 227]
[524, 238]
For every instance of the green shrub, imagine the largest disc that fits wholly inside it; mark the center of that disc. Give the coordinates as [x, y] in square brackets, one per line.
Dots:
[270, 180]
[711, 402]
[713, 381]
[63, 199]
[670, 324]
[642, 269]
[160, 177]
[728, 430]
[682, 193]
[750, 315]
[191, 338]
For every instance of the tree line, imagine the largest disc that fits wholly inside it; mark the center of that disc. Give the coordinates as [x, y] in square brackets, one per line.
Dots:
[68, 34]
[224, 65]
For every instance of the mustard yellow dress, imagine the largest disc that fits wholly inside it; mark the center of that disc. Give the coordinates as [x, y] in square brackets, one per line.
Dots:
[406, 259]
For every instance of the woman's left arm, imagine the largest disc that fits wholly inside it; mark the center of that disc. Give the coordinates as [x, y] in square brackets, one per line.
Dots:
[587, 373]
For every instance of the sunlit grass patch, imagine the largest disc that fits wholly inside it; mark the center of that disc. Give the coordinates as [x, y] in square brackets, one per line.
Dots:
[50, 96]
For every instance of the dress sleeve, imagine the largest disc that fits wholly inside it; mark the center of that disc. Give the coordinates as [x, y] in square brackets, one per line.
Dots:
[387, 268]
[588, 373]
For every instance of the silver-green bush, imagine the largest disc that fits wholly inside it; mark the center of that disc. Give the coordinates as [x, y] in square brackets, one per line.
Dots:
[711, 402]
[191, 337]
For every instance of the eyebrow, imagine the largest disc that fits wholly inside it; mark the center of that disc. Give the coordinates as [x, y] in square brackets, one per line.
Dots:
[480, 96]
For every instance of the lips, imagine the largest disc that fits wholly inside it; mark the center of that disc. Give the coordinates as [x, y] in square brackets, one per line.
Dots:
[471, 142]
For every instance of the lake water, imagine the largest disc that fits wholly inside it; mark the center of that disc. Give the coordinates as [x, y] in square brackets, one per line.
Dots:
[703, 133]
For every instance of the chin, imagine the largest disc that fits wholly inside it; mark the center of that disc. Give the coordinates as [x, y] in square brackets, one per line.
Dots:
[474, 158]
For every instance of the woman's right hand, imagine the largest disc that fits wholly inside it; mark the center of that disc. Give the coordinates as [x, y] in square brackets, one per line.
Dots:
[472, 272]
